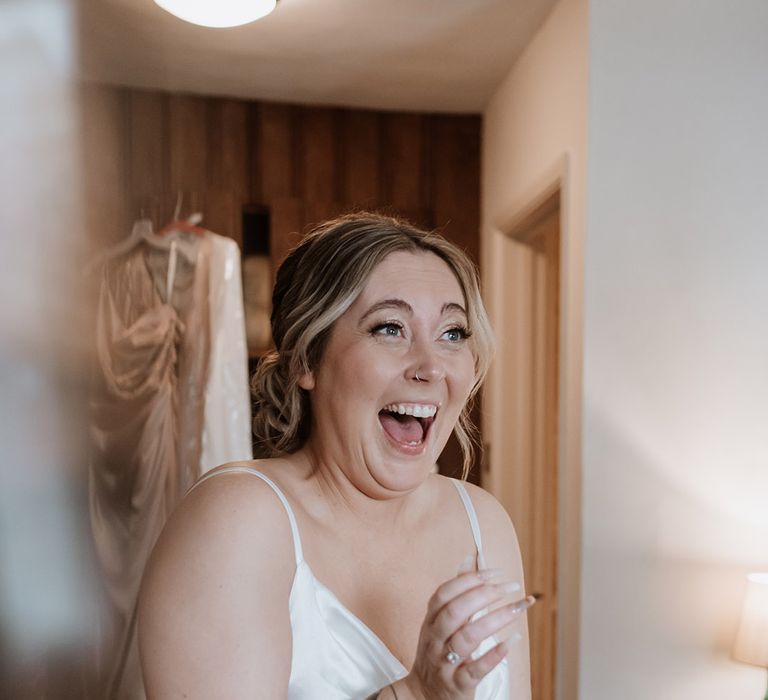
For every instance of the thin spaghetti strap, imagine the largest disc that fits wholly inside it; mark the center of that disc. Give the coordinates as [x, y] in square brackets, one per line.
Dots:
[473, 522]
[289, 511]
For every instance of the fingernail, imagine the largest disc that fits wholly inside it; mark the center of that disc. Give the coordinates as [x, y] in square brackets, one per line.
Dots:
[488, 574]
[509, 587]
[516, 637]
[524, 604]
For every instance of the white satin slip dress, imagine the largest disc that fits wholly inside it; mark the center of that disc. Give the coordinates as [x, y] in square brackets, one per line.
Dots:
[335, 655]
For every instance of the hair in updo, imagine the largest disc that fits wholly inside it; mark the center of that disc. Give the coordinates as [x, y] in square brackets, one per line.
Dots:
[318, 281]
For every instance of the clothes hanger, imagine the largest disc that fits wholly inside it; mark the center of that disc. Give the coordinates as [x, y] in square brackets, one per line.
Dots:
[140, 233]
[188, 225]
[143, 233]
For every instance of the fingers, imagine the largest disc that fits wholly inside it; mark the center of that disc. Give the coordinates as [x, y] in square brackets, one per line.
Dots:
[468, 637]
[471, 672]
[461, 608]
[463, 582]
[450, 634]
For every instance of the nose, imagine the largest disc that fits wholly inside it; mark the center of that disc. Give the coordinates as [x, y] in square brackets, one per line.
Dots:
[427, 373]
[425, 365]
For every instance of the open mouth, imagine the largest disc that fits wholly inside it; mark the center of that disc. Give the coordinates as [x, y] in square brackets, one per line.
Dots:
[408, 424]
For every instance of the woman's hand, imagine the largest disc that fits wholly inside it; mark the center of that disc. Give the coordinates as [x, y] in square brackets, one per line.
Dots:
[444, 667]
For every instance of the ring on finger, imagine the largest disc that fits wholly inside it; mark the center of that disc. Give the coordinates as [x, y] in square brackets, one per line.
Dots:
[452, 657]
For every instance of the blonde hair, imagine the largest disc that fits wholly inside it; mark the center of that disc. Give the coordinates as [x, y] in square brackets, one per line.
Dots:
[318, 281]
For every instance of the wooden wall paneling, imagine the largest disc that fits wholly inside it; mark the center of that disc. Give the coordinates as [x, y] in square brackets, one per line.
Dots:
[360, 159]
[275, 152]
[188, 138]
[317, 211]
[456, 178]
[105, 186]
[451, 460]
[402, 163]
[253, 154]
[227, 166]
[317, 155]
[286, 228]
[422, 218]
[427, 179]
[147, 155]
[223, 214]
[228, 145]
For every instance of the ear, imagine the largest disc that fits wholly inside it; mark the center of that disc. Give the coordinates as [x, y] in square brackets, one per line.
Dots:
[307, 381]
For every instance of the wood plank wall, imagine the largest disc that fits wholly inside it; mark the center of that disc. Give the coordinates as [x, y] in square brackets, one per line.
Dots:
[305, 164]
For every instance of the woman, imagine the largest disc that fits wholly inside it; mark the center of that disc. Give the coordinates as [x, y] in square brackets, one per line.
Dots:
[342, 566]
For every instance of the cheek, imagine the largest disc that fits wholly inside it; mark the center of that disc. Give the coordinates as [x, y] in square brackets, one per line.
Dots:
[465, 375]
[356, 375]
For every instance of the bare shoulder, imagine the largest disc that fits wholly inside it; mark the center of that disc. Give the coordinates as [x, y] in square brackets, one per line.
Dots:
[215, 592]
[500, 543]
[229, 508]
[486, 504]
[502, 551]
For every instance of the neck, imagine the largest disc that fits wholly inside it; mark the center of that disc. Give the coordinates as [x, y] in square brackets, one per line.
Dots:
[353, 492]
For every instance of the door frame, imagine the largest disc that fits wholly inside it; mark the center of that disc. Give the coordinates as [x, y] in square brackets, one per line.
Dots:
[553, 180]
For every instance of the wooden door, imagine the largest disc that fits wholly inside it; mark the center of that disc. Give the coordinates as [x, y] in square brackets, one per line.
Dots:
[525, 457]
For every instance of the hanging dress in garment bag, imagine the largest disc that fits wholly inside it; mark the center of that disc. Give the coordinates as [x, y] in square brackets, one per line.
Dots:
[227, 426]
[146, 423]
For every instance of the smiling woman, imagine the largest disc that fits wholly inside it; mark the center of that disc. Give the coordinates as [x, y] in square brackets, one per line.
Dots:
[320, 280]
[340, 565]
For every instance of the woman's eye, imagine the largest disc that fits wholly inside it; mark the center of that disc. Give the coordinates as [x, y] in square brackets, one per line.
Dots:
[388, 329]
[455, 335]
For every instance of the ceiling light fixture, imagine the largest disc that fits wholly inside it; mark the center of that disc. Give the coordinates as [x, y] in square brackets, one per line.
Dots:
[218, 13]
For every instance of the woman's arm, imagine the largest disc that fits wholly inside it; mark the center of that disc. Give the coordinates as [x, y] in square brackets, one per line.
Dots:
[502, 551]
[213, 615]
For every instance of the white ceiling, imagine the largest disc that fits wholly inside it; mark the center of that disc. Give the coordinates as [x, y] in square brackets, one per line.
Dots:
[421, 55]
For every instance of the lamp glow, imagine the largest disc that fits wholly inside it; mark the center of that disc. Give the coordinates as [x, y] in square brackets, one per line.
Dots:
[751, 645]
[218, 13]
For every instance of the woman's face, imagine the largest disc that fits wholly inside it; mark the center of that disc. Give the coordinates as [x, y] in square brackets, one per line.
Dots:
[394, 377]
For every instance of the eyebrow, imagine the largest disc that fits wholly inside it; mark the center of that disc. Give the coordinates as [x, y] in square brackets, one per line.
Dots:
[407, 308]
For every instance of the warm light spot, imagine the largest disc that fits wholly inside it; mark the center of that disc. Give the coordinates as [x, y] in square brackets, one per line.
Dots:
[222, 13]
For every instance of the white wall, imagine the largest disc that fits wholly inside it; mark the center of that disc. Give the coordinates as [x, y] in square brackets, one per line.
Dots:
[675, 384]
[534, 135]
[676, 346]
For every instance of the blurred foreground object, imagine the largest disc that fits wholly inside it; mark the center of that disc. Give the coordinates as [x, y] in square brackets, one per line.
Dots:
[48, 591]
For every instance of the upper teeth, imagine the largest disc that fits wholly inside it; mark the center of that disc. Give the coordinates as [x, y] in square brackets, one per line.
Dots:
[412, 409]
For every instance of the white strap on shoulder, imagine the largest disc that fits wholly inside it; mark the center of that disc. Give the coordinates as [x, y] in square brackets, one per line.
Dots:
[291, 517]
[473, 522]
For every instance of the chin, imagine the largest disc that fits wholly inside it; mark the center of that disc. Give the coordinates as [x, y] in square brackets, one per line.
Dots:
[410, 469]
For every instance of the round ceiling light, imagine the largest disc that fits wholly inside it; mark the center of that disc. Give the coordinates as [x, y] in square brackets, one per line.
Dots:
[218, 13]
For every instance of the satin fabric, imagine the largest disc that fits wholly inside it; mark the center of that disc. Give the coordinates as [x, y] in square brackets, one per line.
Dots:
[227, 426]
[146, 413]
[335, 655]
